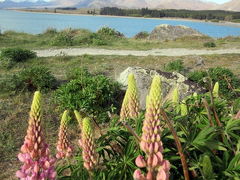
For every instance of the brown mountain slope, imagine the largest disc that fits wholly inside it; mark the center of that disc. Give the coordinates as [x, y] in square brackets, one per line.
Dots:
[233, 5]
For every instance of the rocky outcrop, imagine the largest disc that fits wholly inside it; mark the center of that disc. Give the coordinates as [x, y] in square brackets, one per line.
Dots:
[169, 82]
[168, 32]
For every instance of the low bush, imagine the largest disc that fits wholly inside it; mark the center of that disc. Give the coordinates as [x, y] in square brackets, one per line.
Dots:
[106, 31]
[209, 44]
[93, 93]
[227, 80]
[50, 31]
[141, 35]
[78, 73]
[176, 66]
[16, 55]
[197, 76]
[29, 79]
[64, 38]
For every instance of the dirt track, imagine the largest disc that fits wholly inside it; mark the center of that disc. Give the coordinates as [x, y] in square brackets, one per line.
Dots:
[154, 52]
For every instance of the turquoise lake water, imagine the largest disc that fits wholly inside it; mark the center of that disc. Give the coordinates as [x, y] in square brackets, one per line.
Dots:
[36, 23]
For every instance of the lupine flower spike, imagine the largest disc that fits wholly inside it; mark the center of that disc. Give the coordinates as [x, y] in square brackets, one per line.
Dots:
[37, 164]
[79, 117]
[216, 90]
[184, 110]
[130, 105]
[175, 97]
[64, 148]
[151, 144]
[237, 116]
[88, 146]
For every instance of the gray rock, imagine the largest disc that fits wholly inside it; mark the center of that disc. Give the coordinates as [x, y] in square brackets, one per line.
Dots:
[199, 61]
[169, 82]
[168, 32]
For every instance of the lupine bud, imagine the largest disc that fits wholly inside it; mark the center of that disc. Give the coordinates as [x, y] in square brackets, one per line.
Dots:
[151, 142]
[133, 97]
[130, 105]
[63, 145]
[195, 95]
[79, 117]
[124, 114]
[184, 110]
[140, 161]
[216, 90]
[88, 145]
[175, 98]
[34, 152]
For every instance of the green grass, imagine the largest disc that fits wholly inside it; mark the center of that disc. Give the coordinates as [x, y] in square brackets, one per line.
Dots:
[85, 38]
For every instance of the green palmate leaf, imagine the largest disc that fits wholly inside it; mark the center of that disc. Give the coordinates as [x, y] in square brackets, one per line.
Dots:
[207, 139]
[233, 169]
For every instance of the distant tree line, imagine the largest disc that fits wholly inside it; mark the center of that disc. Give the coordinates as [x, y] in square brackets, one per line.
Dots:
[200, 14]
[67, 8]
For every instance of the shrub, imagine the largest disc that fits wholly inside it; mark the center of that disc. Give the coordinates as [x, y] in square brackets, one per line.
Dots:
[64, 38]
[228, 82]
[30, 79]
[78, 73]
[209, 44]
[50, 31]
[174, 66]
[16, 54]
[92, 93]
[106, 31]
[197, 76]
[98, 40]
[141, 35]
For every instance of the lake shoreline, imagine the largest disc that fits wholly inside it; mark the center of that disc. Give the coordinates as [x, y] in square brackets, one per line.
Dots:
[223, 23]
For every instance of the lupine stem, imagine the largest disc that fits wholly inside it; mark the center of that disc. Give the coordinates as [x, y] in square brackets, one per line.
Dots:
[206, 105]
[178, 144]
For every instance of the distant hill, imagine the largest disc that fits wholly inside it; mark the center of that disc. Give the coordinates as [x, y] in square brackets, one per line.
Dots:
[233, 5]
[160, 4]
[24, 4]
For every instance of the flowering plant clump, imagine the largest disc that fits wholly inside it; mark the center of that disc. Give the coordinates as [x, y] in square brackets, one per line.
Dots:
[37, 163]
[88, 145]
[64, 148]
[130, 105]
[151, 144]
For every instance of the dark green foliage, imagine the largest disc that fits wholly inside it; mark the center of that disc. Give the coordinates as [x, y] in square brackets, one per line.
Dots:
[94, 94]
[236, 105]
[227, 80]
[50, 31]
[141, 35]
[214, 15]
[209, 44]
[198, 76]
[29, 79]
[11, 56]
[64, 38]
[176, 66]
[106, 31]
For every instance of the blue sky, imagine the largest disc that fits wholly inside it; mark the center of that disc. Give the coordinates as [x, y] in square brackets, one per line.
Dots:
[216, 1]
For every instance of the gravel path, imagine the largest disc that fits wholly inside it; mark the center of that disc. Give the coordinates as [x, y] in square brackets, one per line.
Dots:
[154, 52]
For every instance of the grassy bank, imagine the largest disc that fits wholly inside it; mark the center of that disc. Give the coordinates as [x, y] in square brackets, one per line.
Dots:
[52, 38]
[14, 109]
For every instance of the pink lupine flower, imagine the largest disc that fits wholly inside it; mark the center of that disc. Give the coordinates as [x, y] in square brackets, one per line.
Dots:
[151, 144]
[130, 106]
[37, 164]
[63, 145]
[88, 146]
[237, 115]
